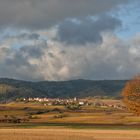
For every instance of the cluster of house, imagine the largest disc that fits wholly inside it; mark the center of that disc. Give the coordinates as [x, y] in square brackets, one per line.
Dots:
[55, 101]
[81, 102]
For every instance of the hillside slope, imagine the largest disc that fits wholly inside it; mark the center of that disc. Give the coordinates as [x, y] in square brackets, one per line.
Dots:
[11, 89]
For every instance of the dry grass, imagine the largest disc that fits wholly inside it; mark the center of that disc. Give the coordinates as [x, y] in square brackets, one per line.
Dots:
[67, 134]
[88, 115]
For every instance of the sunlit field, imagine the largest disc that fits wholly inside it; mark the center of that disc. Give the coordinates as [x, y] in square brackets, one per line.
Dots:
[36, 115]
[67, 134]
[60, 123]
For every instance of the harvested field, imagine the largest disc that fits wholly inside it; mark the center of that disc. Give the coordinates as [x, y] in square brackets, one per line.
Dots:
[68, 134]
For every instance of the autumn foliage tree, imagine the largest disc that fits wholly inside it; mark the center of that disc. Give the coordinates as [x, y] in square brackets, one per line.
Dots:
[131, 95]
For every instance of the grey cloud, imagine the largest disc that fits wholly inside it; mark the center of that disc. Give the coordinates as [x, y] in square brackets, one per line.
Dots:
[29, 56]
[22, 36]
[36, 50]
[87, 30]
[29, 36]
[113, 58]
[21, 62]
[38, 14]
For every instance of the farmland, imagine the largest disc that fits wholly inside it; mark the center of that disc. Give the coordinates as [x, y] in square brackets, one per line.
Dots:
[68, 134]
[34, 114]
[89, 122]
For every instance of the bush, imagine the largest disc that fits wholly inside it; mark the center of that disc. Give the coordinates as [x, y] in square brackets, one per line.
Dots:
[131, 95]
[73, 106]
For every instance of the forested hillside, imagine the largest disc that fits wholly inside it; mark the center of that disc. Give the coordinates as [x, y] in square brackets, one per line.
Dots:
[11, 89]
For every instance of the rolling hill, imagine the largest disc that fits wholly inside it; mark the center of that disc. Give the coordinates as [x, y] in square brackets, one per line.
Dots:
[11, 89]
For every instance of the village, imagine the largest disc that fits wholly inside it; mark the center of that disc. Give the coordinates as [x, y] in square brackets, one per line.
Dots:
[95, 102]
[35, 109]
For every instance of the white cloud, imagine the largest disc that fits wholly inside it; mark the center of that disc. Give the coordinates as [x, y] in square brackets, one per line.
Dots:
[112, 59]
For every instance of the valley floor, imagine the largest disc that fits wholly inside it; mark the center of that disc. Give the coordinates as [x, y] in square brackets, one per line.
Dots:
[34, 121]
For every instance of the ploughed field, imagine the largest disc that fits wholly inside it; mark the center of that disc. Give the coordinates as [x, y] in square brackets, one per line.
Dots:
[68, 134]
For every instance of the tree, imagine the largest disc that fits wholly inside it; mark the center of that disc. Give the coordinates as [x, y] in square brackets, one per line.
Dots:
[131, 95]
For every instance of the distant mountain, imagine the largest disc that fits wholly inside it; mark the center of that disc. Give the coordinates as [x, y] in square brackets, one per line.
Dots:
[11, 89]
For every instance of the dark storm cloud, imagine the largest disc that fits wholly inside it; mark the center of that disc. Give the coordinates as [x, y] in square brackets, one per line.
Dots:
[87, 30]
[38, 14]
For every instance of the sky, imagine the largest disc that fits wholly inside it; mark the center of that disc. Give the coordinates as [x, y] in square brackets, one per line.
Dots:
[59, 40]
